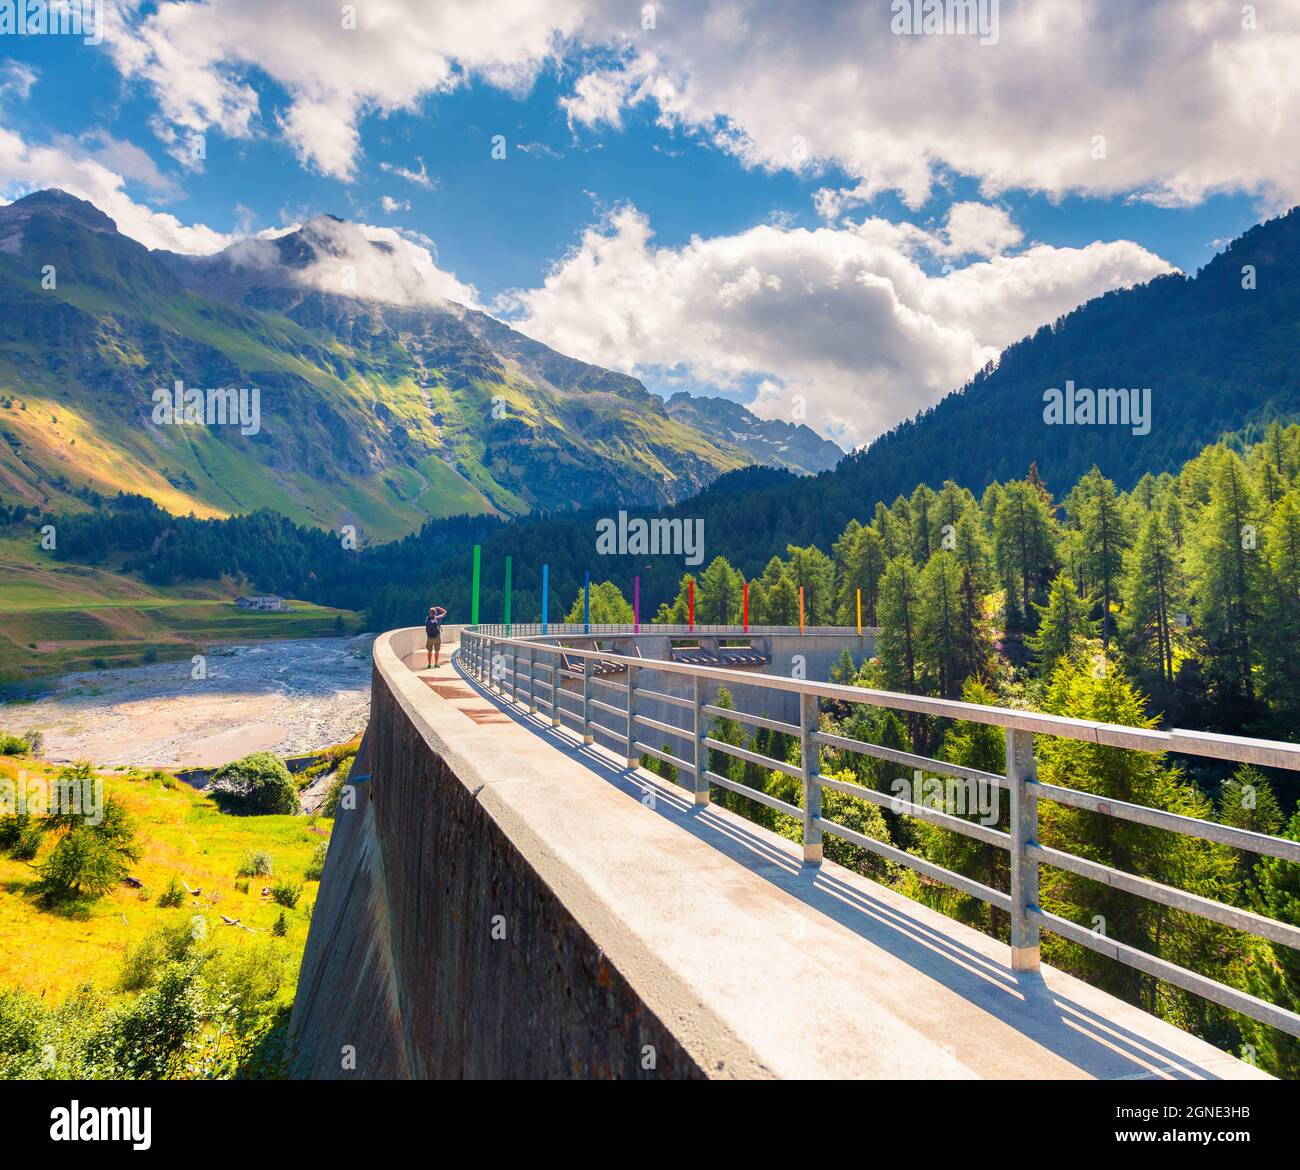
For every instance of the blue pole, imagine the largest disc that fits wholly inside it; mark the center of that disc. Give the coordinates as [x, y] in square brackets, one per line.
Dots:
[546, 582]
[586, 603]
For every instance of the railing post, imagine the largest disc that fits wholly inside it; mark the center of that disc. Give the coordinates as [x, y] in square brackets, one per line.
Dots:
[532, 684]
[514, 674]
[587, 736]
[555, 688]
[699, 692]
[632, 758]
[810, 763]
[1022, 776]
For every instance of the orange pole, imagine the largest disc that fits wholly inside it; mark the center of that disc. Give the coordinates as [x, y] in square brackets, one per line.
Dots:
[859, 613]
[801, 609]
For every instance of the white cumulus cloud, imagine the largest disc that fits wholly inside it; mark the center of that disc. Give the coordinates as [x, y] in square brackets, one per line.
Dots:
[1166, 100]
[848, 318]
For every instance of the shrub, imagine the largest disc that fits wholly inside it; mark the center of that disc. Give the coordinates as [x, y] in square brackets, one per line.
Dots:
[258, 784]
[13, 745]
[316, 866]
[330, 805]
[256, 863]
[172, 896]
[156, 1032]
[142, 962]
[287, 893]
[20, 835]
[281, 926]
[89, 860]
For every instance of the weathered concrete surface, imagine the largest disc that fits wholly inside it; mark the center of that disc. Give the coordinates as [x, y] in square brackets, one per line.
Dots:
[633, 919]
[438, 950]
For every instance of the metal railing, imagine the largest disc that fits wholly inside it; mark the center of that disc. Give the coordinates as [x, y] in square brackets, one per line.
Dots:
[494, 658]
[578, 629]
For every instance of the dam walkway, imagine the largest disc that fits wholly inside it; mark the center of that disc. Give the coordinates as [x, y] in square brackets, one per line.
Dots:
[529, 901]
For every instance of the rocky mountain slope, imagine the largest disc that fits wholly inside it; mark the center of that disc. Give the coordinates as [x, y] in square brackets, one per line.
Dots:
[372, 413]
[770, 442]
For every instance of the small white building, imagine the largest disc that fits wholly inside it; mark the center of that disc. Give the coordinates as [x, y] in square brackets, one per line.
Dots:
[266, 603]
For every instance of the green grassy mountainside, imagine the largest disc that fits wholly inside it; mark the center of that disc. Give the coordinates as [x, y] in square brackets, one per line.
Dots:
[376, 415]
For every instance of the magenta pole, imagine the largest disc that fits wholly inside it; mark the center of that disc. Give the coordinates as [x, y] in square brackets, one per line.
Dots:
[636, 605]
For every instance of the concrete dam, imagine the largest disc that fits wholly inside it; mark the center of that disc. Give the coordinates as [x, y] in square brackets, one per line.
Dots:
[506, 898]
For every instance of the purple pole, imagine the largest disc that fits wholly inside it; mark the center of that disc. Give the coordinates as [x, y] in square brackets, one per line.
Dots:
[636, 605]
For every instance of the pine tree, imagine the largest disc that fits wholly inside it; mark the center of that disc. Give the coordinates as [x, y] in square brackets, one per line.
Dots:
[1272, 971]
[947, 633]
[1063, 625]
[812, 569]
[899, 602]
[1106, 534]
[1228, 571]
[864, 566]
[1279, 632]
[718, 594]
[1149, 591]
[1023, 531]
[1200, 867]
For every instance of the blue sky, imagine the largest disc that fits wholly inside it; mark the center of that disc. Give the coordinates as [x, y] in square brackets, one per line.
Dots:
[650, 159]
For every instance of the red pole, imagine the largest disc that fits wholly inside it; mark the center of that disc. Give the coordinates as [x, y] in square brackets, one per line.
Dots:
[690, 601]
[636, 605]
[747, 607]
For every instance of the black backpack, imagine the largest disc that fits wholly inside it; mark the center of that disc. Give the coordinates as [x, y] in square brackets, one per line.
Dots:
[432, 627]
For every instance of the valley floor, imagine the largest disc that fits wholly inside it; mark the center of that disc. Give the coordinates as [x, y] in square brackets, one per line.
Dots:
[287, 697]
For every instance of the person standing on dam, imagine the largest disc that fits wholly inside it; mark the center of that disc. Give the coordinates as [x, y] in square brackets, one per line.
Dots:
[433, 634]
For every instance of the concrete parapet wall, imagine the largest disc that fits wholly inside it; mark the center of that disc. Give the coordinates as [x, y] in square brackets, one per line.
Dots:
[436, 948]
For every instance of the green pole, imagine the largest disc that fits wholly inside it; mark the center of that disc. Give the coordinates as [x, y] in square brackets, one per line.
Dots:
[473, 605]
[507, 597]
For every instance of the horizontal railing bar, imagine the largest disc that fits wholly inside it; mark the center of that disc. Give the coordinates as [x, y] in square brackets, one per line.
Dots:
[754, 794]
[620, 736]
[985, 833]
[1229, 997]
[675, 700]
[607, 707]
[756, 720]
[574, 696]
[1174, 822]
[1240, 749]
[604, 682]
[907, 759]
[754, 758]
[926, 868]
[666, 757]
[658, 725]
[541, 682]
[1279, 932]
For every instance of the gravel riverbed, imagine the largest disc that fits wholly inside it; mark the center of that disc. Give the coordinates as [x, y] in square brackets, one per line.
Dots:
[287, 697]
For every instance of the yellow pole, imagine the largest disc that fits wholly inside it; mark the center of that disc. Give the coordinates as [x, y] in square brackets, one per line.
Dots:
[859, 613]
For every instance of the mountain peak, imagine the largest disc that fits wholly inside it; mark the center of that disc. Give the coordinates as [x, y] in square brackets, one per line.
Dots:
[59, 202]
